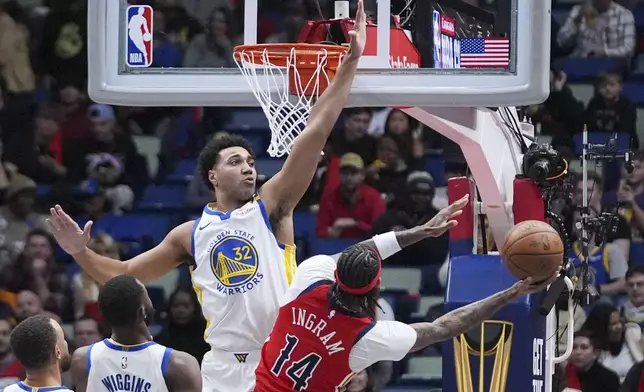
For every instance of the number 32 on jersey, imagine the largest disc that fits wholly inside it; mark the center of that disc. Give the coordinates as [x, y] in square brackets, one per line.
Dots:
[299, 370]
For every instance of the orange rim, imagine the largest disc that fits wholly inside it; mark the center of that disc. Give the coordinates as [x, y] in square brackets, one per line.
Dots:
[307, 55]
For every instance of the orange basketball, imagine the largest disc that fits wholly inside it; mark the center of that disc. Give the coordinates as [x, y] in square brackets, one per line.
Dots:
[532, 249]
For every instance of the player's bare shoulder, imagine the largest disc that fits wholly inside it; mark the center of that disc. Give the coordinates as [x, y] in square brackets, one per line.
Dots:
[79, 368]
[184, 373]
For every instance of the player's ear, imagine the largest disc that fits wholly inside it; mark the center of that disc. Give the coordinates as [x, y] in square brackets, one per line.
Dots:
[142, 313]
[212, 177]
[58, 353]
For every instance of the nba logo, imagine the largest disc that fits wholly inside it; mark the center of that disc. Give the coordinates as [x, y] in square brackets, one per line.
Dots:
[138, 43]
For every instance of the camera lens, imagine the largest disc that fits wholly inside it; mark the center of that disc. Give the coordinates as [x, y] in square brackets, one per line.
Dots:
[539, 170]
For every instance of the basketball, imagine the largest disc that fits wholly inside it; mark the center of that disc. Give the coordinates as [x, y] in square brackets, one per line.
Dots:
[147, 37]
[532, 249]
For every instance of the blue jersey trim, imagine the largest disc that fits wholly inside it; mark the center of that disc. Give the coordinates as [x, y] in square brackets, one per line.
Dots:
[192, 239]
[165, 361]
[28, 388]
[89, 358]
[132, 348]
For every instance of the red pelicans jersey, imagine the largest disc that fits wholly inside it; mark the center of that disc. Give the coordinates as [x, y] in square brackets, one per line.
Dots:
[315, 348]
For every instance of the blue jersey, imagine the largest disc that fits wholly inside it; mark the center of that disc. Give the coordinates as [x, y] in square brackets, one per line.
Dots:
[597, 262]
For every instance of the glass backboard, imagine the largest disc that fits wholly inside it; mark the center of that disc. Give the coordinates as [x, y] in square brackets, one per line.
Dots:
[419, 53]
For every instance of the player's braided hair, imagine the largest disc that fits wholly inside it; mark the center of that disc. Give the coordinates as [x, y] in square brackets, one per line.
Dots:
[358, 265]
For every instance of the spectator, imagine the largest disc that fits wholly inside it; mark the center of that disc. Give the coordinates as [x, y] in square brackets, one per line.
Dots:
[388, 173]
[354, 137]
[33, 268]
[110, 158]
[94, 204]
[166, 52]
[629, 198]
[60, 301]
[633, 309]
[63, 50]
[214, 47]
[17, 217]
[16, 73]
[39, 155]
[10, 368]
[27, 304]
[606, 262]
[404, 130]
[411, 208]
[584, 372]
[634, 381]
[599, 28]
[609, 110]
[561, 115]
[619, 343]
[86, 331]
[621, 238]
[72, 107]
[186, 325]
[84, 287]
[349, 210]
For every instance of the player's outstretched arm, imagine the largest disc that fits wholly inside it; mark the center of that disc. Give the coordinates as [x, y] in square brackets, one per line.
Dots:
[437, 226]
[183, 373]
[287, 187]
[146, 267]
[79, 369]
[469, 316]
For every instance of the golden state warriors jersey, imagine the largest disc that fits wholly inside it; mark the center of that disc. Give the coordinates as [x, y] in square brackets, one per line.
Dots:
[113, 367]
[240, 274]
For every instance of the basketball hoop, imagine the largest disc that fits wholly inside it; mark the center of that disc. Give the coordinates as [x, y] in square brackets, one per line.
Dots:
[290, 79]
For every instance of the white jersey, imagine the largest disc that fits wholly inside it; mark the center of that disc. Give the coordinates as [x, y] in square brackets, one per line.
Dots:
[113, 367]
[241, 273]
[22, 387]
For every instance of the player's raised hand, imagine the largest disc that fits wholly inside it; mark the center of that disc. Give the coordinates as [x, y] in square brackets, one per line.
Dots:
[69, 235]
[359, 33]
[444, 220]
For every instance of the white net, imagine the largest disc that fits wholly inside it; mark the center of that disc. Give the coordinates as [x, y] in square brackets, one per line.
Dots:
[286, 87]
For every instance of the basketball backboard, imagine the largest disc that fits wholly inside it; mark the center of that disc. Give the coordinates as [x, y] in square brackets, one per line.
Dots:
[445, 52]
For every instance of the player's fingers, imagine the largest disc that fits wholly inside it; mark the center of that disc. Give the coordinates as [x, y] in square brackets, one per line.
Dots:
[451, 224]
[68, 221]
[52, 225]
[455, 214]
[56, 218]
[88, 228]
[360, 16]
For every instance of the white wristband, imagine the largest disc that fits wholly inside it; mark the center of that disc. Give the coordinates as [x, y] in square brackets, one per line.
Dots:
[387, 244]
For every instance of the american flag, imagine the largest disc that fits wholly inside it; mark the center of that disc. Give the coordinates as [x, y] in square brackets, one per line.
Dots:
[485, 53]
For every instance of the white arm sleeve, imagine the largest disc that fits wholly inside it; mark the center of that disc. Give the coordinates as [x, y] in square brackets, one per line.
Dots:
[311, 270]
[386, 341]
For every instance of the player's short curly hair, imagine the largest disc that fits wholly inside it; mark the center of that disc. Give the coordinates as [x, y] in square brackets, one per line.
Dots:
[358, 265]
[33, 342]
[120, 300]
[209, 156]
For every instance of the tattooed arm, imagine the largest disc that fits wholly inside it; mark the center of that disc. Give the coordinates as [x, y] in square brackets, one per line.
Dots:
[462, 319]
[469, 316]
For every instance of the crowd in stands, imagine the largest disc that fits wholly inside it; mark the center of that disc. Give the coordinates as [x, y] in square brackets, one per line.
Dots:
[381, 171]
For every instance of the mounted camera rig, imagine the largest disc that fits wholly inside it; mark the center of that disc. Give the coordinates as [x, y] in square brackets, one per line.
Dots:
[548, 169]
